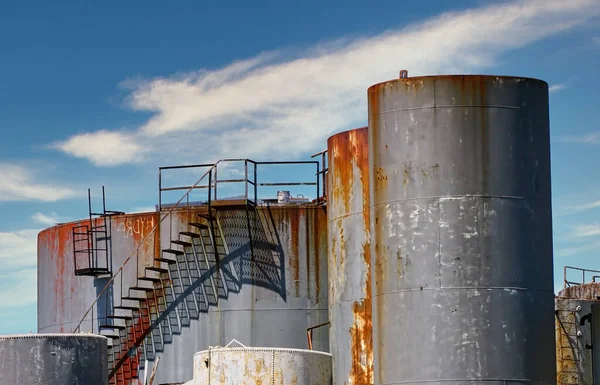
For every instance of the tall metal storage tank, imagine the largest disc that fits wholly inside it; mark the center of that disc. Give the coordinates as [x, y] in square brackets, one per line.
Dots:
[461, 230]
[351, 341]
[53, 359]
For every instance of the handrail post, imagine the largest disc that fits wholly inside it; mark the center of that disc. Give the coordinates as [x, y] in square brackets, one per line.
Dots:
[159, 189]
[255, 184]
[246, 180]
[216, 182]
[318, 189]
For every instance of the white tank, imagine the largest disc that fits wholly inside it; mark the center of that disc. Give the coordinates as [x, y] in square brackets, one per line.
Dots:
[253, 366]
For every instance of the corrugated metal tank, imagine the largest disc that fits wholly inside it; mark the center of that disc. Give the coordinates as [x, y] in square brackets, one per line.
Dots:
[461, 229]
[282, 287]
[576, 310]
[349, 257]
[253, 366]
[53, 359]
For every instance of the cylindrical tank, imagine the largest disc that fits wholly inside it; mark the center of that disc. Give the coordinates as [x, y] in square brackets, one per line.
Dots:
[349, 258]
[53, 359]
[250, 366]
[274, 282]
[461, 230]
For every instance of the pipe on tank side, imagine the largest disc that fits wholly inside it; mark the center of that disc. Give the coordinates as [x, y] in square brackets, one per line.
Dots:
[349, 258]
[461, 227]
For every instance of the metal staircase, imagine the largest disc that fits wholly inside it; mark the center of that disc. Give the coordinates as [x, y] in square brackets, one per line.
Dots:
[191, 275]
[185, 281]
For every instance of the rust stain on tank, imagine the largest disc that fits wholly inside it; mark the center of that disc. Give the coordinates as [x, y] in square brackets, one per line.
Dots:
[294, 221]
[361, 370]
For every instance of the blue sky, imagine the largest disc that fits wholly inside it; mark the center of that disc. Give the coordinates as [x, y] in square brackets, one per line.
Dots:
[104, 93]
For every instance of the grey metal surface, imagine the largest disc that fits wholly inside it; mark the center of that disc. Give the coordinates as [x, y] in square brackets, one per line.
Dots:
[461, 231]
[53, 359]
[351, 341]
[254, 366]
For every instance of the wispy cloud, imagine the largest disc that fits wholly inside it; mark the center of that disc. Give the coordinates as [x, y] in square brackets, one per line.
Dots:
[556, 87]
[47, 219]
[17, 183]
[18, 289]
[589, 138]
[587, 230]
[271, 105]
[18, 249]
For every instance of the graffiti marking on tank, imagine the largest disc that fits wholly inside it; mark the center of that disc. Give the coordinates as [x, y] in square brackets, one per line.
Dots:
[140, 226]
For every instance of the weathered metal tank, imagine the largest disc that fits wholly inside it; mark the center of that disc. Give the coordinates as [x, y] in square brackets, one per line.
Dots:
[254, 365]
[349, 257]
[577, 332]
[461, 228]
[53, 359]
[275, 284]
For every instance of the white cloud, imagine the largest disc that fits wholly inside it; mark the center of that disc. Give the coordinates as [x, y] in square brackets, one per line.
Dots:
[556, 87]
[18, 249]
[589, 138]
[18, 183]
[587, 230]
[577, 249]
[104, 148]
[270, 106]
[47, 219]
[18, 288]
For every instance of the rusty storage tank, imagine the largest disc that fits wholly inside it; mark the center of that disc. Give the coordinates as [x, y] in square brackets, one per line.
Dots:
[461, 230]
[349, 257]
[272, 286]
[577, 332]
[53, 359]
[259, 365]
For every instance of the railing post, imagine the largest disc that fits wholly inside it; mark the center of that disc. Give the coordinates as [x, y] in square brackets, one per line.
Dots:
[318, 189]
[246, 180]
[159, 190]
[255, 185]
[216, 181]
[210, 189]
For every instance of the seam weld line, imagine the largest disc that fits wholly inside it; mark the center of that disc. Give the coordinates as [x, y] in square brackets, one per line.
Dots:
[464, 288]
[458, 197]
[449, 106]
[348, 215]
[460, 380]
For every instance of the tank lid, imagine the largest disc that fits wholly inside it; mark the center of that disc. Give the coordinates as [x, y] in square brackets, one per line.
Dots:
[221, 349]
[403, 77]
[50, 336]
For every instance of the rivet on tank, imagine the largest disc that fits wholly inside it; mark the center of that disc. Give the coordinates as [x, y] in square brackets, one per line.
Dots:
[461, 227]
[349, 258]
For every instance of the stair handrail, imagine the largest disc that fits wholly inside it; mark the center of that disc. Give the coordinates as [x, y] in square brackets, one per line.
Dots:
[142, 241]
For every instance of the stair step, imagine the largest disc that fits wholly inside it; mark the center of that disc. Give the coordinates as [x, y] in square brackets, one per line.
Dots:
[190, 234]
[165, 260]
[130, 298]
[125, 307]
[207, 216]
[125, 317]
[119, 327]
[151, 279]
[142, 288]
[182, 243]
[198, 225]
[110, 335]
[173, 251]
[157, 269]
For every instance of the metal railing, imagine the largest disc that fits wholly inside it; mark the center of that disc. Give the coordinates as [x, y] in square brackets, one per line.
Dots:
[568, 283]
[323, 172]
[251, 184]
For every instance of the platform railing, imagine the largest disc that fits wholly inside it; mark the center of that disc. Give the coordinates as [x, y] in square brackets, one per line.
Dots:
[583, 272]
